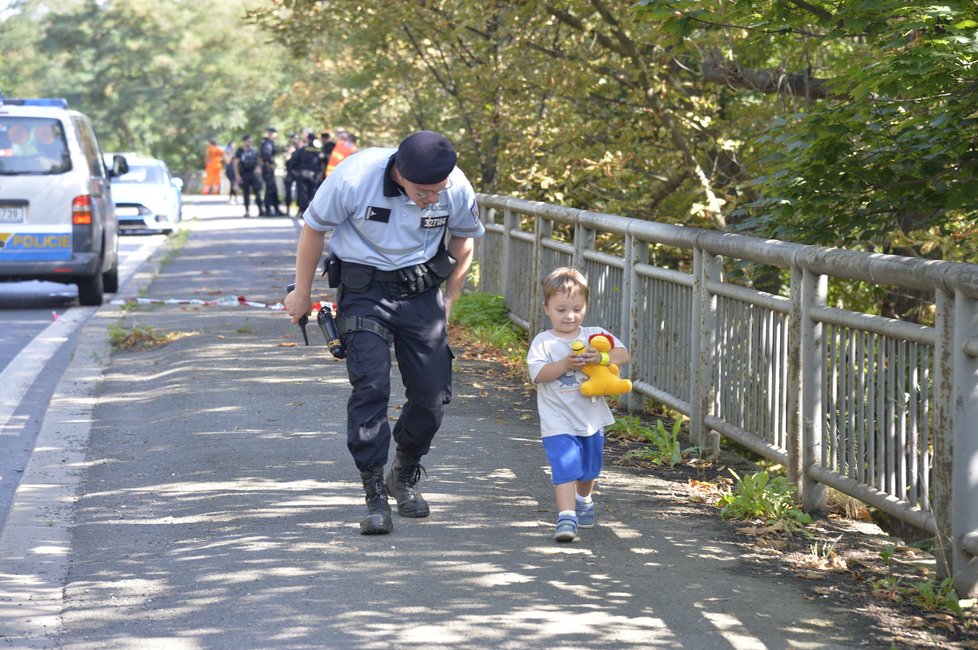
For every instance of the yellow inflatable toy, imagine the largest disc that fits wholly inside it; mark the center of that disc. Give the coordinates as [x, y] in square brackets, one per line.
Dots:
[602, 380]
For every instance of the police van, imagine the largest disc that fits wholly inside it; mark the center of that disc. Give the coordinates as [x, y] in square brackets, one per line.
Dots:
[57, 218]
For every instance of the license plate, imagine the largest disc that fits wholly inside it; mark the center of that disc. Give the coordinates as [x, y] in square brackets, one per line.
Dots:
[12, 213]
[127, 212]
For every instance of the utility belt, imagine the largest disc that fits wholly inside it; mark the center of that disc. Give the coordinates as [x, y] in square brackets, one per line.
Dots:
[405, 282]
[308, 174]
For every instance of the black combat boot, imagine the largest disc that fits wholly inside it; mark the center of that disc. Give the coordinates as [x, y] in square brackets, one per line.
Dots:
[402, 484]
[378, 519]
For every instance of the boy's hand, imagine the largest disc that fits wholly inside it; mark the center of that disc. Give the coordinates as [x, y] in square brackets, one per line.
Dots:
[575, 361]
[591, 356]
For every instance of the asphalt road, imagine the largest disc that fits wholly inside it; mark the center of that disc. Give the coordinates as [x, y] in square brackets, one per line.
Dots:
[40, 323]
[200, 495]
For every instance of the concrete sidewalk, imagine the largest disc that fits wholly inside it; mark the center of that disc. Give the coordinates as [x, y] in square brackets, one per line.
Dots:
[200, 495]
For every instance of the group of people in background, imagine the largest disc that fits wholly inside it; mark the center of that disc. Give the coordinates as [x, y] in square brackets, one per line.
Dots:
[307, 160]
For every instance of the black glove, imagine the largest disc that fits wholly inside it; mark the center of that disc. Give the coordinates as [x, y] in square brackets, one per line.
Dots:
[413, 278]
[430, 280]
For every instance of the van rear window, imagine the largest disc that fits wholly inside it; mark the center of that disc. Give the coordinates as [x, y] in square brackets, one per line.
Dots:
[32, 145]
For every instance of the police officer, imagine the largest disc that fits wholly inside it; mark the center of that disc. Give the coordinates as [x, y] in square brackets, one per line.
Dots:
[267, 154]
[390, 212]
[295, 143]
[245, 164]
[308, 165]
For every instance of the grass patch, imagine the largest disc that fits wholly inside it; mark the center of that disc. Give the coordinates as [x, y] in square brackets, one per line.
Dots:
[143, 338]
[484, 320]
[176, 242]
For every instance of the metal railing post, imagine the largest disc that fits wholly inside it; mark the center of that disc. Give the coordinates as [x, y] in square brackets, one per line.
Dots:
[629, 402]
[943, 442]
[509, 217]
[583, 240]
[964, 487]
[542, 229]
[793, 384]
[703, 390]
[814, 290]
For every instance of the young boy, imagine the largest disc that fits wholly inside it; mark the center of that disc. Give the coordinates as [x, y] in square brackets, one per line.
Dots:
[572, 425]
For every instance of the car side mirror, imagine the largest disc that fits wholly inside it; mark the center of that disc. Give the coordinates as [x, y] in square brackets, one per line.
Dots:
[177, 183]
[119, 165]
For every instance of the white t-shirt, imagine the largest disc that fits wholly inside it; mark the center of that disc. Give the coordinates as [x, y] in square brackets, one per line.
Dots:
[563, 409]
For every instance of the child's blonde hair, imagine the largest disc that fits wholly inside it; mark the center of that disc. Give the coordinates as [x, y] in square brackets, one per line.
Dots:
[564, 281]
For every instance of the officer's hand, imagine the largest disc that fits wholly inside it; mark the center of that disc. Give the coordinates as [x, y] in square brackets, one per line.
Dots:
[297, 306]
[414, 283]
[422, 278]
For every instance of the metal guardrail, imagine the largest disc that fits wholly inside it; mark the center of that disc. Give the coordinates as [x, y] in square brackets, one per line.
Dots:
[883, 410]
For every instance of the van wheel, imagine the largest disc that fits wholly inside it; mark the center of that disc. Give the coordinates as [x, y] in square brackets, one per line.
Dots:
[110, 279]
[91, 290]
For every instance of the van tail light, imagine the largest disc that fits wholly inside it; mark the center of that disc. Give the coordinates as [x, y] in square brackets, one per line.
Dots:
[81, 210]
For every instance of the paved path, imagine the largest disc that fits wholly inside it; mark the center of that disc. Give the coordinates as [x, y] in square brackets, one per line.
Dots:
[200, 495]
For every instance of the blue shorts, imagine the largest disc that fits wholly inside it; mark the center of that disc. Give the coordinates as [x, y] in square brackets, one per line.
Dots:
[574, 458]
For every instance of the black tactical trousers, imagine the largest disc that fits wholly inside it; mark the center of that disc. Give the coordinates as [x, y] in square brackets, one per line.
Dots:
[271, 190]
[425, 363]
[250, 183]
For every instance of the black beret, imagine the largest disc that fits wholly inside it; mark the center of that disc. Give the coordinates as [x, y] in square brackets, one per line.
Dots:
[425, 158]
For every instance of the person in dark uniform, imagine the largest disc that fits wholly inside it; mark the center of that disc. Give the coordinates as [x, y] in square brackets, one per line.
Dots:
[308, 166]
[390, 212]
[229, 152]
[295, 143]
[326, 144]
[245, 174]
[267, 154]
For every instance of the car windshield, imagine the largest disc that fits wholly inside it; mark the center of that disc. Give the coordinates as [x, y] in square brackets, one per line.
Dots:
[32, 145]
[141, 174]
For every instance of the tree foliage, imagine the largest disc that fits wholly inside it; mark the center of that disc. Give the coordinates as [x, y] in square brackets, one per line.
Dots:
[157, 79]
[817, 121]
[884, 151]
[827, 121]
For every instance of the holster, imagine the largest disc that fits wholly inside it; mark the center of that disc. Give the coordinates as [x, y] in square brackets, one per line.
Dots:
[442, 264]
[333, 269]
[350, 324]
[356, 277]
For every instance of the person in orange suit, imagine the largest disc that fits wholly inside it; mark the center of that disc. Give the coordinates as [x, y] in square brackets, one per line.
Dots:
[346, 146]
[213, 167]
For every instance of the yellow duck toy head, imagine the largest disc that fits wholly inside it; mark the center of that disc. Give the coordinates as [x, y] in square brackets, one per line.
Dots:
[602, 380]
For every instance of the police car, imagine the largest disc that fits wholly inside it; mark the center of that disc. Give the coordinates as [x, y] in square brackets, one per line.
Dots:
[57, 219]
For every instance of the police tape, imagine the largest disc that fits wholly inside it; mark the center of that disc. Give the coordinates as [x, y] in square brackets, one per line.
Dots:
[223, 301]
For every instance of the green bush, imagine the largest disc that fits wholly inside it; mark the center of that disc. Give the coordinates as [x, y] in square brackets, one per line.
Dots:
[663, 447]
[758, 496]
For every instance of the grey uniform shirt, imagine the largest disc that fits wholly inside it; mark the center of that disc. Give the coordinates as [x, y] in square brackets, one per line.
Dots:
[375, 223]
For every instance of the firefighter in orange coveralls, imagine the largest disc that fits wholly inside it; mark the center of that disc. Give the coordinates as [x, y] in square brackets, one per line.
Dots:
[346, 145]
[212, 168]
